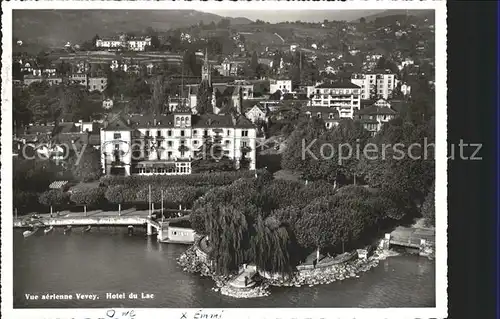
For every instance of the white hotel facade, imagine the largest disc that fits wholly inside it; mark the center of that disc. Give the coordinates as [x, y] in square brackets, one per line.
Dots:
[382, 84]
[343, 96]
[166, 145]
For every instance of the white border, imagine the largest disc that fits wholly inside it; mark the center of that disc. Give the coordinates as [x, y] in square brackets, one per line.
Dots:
[440, 311]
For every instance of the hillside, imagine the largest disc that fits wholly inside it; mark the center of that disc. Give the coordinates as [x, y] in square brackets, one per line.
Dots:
[56, 27]
[386, 13]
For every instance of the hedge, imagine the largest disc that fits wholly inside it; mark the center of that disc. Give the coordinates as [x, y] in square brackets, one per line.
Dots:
[165, 181]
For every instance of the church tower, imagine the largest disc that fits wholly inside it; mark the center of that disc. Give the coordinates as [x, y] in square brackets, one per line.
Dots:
[206, 72]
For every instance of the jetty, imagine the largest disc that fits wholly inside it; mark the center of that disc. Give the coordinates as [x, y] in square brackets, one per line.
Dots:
[417, 238]
[165, 232]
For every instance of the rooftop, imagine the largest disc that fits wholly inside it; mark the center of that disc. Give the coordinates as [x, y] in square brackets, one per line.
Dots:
[338, 85]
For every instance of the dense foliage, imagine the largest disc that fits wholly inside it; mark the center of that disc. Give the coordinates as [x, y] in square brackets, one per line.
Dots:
[429, 209]
[162, 181]
[276, 223]
[88, 197]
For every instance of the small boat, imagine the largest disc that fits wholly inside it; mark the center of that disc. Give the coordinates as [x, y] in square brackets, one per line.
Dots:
[48, 230]
[130, 230]
[86, 230]
[29, 233]
[67, 229]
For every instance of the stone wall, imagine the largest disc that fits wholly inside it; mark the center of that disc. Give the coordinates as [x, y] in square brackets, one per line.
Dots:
[338, 260]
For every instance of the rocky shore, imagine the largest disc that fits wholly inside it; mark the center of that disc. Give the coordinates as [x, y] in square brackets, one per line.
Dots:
[318, 276]
[329, 274]
[191, 263]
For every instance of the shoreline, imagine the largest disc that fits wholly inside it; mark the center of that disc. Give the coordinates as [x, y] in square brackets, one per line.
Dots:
[191, 262]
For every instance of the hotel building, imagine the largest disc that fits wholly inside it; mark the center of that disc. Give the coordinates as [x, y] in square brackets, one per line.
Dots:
[166, 145]
[343, 96]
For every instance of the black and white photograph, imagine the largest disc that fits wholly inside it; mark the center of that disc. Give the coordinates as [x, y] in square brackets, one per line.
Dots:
[224, 159]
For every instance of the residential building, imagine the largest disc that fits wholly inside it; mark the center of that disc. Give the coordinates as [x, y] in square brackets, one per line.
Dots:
[97, 83]
[166, 145]
[285, 86]
[107, 104]
[343, 96]
[50, 80]
[405, 89]
[328, 115]
[376, 84]
[79, 78]
[132, 44]
[257, 113]
[109, 43]
[231, 67]
[374, 116]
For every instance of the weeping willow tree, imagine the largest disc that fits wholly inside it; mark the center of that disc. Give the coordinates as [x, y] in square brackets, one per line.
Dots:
[240, 231]
[270, 246]
[227, 230]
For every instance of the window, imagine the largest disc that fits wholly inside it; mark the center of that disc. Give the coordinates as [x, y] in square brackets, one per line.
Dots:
[182, 153]
[228, 142]
[244, 133]
[228, 132]
[117, 136]
[147, 133]
[318, 115]
[195, 132]
[158, 133]
[205, 133]
[244, 144]
[169, 155]
[169, 133]
[182, 132]
[195, 142]
[169, 143]
[330, 116]
[183, 142]
[117, 147]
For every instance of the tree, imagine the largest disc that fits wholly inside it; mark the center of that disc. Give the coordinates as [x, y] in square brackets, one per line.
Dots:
[87, 167]
[89, 196]
[204, 98]
[210, 157]
[119, 194]
[52, 198]
[182, 195]
[362, 20]
[224, 23]
[428, 208]
[276, 96]
[254, 63]
[155, 42]
[307, 132]
[159, 95]
[94, 41]
[317, 226]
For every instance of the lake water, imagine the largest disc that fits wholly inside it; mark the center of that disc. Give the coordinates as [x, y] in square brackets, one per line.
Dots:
[109, 261]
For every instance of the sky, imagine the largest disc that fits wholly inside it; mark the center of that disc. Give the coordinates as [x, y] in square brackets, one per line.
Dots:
[294, 15]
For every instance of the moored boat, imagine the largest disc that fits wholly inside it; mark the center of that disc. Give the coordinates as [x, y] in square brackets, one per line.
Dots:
[48, 230]
[87, 229]
[67, 229]
[30, 232]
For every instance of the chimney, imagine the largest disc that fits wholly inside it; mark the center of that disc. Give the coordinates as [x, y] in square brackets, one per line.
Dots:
[128, 121]
[154, 122]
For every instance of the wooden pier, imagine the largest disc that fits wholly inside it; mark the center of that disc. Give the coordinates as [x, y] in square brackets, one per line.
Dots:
[422, 239]
[164, 231]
